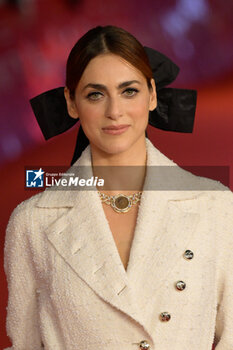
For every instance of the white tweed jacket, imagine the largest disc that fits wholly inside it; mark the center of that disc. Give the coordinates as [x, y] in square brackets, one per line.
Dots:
[68, 289]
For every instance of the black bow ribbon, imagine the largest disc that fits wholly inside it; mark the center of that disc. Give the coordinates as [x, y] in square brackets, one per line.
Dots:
[175, 109]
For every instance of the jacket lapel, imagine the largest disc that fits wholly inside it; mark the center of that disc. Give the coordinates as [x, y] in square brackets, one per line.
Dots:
[82, 236]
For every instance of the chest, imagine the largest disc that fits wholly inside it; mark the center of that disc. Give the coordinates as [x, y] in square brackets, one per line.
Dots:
[122, 226]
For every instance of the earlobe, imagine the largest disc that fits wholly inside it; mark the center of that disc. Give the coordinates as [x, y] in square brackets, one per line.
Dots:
[71, 107]
[153, 96]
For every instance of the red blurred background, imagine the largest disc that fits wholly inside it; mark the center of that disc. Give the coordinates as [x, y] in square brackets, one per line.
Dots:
[36, 37]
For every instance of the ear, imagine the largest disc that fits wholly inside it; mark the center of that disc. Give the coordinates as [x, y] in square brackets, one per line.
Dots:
[71, 106]
[153, 96]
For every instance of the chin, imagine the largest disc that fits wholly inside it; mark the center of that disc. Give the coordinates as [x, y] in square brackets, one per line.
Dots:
[113, 149]
[117, 146]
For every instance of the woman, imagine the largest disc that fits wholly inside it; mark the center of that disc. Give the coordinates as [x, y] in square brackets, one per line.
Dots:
[144, 268]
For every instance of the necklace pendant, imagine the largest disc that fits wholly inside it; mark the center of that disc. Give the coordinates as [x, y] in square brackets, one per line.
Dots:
[121, 203]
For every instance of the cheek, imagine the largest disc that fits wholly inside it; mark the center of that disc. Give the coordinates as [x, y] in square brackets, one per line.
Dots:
[139, 111]
[88, 115]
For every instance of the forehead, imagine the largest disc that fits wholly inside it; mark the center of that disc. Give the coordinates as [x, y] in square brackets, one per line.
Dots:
[106, 67]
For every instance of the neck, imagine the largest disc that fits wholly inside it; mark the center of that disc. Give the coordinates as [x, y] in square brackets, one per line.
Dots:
[122, 172]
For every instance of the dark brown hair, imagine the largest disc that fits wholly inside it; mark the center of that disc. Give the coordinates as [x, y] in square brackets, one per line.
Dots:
[107, 39]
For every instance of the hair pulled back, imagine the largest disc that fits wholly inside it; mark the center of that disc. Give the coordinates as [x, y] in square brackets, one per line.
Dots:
[100, 40]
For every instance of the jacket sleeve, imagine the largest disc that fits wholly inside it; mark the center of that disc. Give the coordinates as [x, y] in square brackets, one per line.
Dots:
[224, 319]
[22, 317]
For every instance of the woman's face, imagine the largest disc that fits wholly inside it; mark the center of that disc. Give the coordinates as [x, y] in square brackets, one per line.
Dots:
[112, 92]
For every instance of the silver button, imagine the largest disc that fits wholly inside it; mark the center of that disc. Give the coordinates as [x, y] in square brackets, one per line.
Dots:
[165, 316]
[144, 344]
[188, 254]
[180, 285]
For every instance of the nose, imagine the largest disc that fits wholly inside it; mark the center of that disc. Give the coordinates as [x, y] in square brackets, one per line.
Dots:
[113, 108]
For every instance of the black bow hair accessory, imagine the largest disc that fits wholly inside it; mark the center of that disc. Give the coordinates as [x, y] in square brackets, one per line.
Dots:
[175, 109]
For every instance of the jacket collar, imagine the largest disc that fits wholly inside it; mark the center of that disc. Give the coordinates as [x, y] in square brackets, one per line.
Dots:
[57, 197]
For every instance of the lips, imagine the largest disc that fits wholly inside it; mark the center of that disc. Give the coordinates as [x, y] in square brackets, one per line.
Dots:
[116, 127]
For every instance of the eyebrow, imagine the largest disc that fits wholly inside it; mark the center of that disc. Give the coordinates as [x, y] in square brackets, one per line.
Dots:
[103, 87]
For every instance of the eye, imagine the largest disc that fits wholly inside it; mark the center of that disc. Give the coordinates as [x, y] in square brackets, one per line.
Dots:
[93, 95]
[131, 92]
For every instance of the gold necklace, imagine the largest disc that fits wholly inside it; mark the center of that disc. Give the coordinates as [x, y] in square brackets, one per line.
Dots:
[120, 202]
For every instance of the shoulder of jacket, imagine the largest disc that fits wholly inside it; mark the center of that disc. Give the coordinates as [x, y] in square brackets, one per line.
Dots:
[182, 179]
[204, 183]
[219, 198]
[25, 207]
